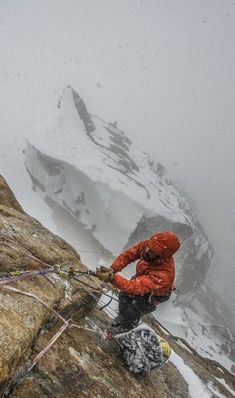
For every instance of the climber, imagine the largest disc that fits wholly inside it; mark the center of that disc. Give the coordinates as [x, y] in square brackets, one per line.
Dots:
[153, 282]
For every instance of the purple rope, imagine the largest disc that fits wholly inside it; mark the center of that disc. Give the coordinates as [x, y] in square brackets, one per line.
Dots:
[9, 279]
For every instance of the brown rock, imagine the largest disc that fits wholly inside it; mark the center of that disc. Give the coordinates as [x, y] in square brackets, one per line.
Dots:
[81, 363]
[22, 318]
[7, 197]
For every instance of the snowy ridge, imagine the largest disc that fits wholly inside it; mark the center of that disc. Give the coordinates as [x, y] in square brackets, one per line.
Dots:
[114, 176]
[121, 195]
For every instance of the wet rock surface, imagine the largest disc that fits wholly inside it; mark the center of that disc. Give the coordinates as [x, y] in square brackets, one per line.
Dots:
[85, 364]
[117, 189]
[81, 363]
[24, 241]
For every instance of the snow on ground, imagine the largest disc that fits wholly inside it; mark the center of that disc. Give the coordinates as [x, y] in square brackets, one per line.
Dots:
[34, 70]
[222, 381]
[200, 336]
[182, 322]
[113, 187]
[195, 385]
[214, 392]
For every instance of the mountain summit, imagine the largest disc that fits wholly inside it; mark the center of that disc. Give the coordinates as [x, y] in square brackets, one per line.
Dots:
[118, 192]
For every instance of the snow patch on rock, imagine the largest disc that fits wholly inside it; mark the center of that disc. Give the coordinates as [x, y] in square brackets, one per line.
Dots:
[121, 195]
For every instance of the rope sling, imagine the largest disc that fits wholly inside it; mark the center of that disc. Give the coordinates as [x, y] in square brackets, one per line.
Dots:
[71, 273]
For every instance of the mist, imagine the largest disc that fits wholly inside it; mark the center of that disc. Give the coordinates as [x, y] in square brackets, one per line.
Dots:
[163, 69]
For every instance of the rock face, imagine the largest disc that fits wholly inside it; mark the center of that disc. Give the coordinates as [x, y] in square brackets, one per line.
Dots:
[91, 168]
[7, 198]
[22, 318]
[81, 363]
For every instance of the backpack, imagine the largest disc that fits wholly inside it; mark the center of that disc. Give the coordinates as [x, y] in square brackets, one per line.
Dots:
[143, 350]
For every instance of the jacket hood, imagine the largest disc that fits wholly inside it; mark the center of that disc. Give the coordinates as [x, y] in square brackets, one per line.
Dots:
[164, 244]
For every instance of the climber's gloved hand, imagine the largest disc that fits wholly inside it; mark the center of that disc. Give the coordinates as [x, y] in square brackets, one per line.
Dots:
[105, 274]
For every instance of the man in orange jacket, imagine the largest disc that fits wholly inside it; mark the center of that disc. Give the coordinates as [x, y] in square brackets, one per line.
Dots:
[152, 283]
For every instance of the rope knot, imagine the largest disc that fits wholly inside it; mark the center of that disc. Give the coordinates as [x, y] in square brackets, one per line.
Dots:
[69, 323]
[57, 268]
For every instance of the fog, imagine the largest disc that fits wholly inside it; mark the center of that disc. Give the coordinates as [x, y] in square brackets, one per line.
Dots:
[163, 69]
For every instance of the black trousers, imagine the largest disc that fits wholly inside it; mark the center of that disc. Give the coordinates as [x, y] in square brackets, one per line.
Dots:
[131, 308]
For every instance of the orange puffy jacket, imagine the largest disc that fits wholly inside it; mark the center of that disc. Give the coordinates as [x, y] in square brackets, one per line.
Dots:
[156, 276]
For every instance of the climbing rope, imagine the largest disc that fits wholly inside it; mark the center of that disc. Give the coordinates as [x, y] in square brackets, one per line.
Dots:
[29, 294]
[46, 348]
[18, 275]
[71, 273]
[66, 324]
[55, 268]
[98, 290]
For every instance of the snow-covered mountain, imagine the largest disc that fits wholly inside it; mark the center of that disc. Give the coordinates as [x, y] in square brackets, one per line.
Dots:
[119, 193]
[41, 358]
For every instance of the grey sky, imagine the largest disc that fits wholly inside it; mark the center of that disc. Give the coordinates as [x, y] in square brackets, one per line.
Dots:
[163, 69]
